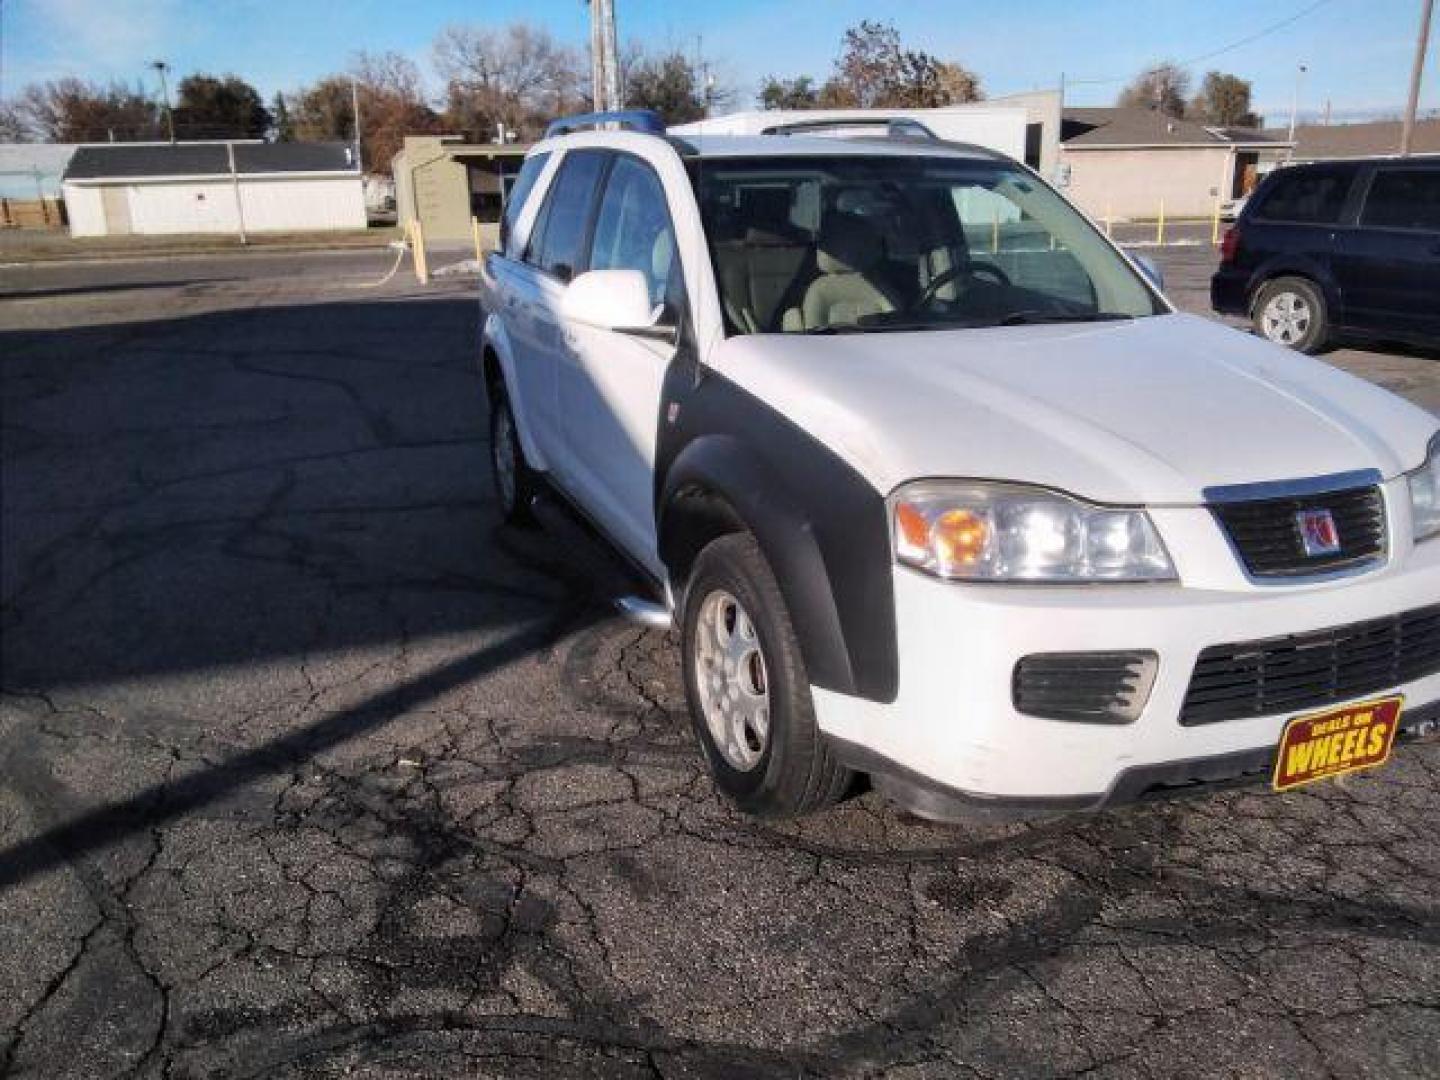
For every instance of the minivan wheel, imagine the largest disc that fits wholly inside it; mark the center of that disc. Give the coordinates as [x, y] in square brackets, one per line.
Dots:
[515, 481]
[747, 689]
[1291, 312]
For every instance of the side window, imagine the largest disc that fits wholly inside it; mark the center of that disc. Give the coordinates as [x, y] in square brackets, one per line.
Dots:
[633, 230]
[558, 238]
[515, 200]
[1306, 198]
[1403, 199]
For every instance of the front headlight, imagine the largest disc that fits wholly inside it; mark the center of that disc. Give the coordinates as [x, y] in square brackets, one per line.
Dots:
[1005, 532]
[1425, 494]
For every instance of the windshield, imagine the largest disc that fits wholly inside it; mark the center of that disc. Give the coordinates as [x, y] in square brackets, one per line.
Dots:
[852, 244]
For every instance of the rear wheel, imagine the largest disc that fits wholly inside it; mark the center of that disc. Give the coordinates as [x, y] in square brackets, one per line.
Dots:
[515, 481]
[748, 692]
[1291, 312]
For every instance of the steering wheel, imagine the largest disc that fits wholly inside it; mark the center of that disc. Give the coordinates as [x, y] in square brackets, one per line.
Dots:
[954, 273]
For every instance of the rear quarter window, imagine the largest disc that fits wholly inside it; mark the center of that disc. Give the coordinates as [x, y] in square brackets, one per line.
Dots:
[1307, 198]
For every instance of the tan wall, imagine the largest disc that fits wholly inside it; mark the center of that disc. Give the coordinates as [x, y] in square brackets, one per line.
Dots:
[1131, 183]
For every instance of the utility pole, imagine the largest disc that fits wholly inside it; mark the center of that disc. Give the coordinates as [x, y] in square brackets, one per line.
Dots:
[1295, 108]
[235, 187]
[355, 109]
[604, 57]
[1407, 130]
[162, 67]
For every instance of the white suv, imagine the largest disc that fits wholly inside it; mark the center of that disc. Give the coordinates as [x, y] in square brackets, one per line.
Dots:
[941, 489]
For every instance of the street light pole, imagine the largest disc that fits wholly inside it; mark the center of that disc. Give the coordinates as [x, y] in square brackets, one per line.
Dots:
[1295, 107]
[162, 67]
[1407, 130]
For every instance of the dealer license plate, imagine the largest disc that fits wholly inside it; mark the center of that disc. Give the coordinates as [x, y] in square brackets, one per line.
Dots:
[1336, 742]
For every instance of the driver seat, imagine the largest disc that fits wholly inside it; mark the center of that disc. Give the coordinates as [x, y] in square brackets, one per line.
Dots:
[844, 292]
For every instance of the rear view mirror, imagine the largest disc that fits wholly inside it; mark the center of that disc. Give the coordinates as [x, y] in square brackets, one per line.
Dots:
[617, 300]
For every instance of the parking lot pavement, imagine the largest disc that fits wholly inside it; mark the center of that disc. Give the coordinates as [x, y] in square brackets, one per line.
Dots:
[313, 769]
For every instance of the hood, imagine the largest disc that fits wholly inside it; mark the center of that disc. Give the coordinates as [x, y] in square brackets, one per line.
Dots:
[1149, 411]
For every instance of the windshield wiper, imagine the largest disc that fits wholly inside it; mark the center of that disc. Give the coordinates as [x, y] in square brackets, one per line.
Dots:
[1021, 318]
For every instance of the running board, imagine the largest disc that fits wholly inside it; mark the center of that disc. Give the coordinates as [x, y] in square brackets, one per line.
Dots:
[644, 612]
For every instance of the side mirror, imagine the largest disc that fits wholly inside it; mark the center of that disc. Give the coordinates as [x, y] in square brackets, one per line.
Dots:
[1150, 270]
[617, 300]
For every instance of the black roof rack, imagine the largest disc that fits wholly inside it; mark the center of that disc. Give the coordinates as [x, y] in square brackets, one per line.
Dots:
[644, 120]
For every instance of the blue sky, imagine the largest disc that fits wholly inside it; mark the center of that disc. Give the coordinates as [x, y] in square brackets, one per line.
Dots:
[1358, 51]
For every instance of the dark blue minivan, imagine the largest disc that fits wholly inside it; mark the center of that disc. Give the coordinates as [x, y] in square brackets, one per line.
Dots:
[1344, 249]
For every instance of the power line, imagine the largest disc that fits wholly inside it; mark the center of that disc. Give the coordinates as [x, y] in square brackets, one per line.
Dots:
[1242, 42]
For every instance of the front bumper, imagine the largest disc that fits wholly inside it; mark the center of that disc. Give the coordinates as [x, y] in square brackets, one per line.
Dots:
[953, 727]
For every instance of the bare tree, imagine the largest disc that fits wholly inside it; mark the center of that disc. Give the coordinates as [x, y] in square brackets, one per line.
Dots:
[392, 105]
[1224, 100]
[518, 76]
[71, 110]
[875, 70]
[1163, 88]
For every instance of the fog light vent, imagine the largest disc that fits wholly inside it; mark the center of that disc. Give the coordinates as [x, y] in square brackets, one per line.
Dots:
[1086, 687]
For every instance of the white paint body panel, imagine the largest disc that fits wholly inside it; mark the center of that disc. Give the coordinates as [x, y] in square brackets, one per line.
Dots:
[954, 721]
[1147, 412]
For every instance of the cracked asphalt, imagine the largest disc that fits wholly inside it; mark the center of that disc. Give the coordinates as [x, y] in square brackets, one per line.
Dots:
[308, 767]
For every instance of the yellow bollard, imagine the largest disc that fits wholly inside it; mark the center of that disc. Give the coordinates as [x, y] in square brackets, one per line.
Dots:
[1215, 226]
[1160, 226]
[475, 233]
[417, 247]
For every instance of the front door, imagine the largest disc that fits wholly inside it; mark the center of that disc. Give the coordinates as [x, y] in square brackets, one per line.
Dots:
[611, 383]
[534, 293]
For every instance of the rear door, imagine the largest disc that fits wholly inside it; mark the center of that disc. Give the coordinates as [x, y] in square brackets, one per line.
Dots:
[1393, 257]
[611, 383]
[1295, 227]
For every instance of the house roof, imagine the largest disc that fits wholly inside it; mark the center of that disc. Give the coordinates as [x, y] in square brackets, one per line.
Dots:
[1318, 142]
[152, 160]
[1125, 127]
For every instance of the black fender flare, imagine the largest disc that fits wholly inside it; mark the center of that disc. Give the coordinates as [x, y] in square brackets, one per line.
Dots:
[836, 583]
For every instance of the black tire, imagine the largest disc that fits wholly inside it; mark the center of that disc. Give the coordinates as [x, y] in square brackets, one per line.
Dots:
[796, 771]
[515, 498]
[1291, 311]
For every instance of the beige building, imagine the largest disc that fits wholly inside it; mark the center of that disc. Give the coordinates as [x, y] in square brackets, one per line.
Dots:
[443, 182]
[1128, 163]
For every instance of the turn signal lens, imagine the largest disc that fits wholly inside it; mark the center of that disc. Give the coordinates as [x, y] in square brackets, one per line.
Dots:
[1006, 532]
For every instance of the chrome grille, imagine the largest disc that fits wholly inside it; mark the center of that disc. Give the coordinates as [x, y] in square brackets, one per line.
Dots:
[1266, 532]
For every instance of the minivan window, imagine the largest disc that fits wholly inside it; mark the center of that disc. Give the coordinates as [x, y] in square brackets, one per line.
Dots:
[1404, 199]
[1306, 198]
[520, 190]
[633, 230]
[556, 242]
[867, 243]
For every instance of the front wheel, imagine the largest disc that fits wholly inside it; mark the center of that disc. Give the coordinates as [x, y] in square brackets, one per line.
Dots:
[748, 692]
[1291, 312]
[515, 485]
